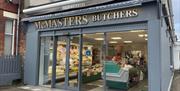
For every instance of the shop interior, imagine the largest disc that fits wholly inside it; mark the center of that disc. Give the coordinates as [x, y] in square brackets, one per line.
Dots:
[116, 60]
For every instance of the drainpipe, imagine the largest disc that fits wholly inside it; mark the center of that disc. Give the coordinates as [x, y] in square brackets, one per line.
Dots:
[17, 32]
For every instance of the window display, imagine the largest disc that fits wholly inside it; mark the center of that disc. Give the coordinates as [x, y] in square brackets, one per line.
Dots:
[124, 64]
[74, 58]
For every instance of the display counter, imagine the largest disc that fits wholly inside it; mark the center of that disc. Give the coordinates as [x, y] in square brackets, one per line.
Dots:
[92, 73]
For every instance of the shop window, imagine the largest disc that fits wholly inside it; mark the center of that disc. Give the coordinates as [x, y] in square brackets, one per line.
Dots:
[9, 37]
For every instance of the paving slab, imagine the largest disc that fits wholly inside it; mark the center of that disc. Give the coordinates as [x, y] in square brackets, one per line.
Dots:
[176, 82]
[28, 88]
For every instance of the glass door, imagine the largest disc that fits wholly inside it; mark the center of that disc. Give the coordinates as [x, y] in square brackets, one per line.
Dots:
[59, 62]
[67, 62]
[73, 62]
[93, 53]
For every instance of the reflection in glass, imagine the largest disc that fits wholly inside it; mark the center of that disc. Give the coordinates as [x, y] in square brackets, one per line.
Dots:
[45, 61]
[61, 62]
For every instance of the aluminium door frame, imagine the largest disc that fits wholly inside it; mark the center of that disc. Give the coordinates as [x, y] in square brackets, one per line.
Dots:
[67, 37]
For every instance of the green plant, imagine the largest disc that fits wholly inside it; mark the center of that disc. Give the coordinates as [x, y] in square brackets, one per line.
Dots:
[134, 75]
[134, 72]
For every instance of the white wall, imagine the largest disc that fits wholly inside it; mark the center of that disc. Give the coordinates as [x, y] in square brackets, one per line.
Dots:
[176, 53]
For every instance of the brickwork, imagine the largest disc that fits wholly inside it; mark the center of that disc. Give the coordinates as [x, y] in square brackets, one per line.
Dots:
[5, 6]
[8, 6]
[22, 41]
[2, 28]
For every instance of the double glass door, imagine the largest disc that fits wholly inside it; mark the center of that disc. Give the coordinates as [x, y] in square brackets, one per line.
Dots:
[60, 62]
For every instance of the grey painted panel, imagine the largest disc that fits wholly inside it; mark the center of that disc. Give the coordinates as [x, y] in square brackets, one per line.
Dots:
[107, 28]
[146, 12]
[10, 69]
[165, 58]
[31, 62]
[114, 28]
[68, 32]
[154, 57]
[50, 33]
[60, 32]
[154, 50]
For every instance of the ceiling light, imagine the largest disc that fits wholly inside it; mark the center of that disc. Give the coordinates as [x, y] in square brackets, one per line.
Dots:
[116, 38]
[113, 42]
[99, 33]
[127, 41]
[146, 39]
[141, 35]
[145, 35]
[134, 31]
[99, 38]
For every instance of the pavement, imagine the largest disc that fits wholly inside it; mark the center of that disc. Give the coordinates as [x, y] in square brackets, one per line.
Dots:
[176, 82]
[175, 86]
[28, 88]
[44, 88]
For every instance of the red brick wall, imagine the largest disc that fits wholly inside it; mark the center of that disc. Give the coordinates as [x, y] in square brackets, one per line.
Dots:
[8, 6]
[5, 6]
[22, 43]
[2, 28]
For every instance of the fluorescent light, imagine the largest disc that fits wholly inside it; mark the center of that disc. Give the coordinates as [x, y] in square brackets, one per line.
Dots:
[146, 39]
[134, 31]
[141, 35]
[113, 42]
[99, 38]
[99, 33]
[116, 38]
[127, 41]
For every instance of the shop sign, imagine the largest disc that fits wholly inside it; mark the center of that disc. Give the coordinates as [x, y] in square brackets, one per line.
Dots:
[88, 53]
[86, 19]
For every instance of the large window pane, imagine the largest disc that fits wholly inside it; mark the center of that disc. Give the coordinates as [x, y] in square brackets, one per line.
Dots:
[127, 59]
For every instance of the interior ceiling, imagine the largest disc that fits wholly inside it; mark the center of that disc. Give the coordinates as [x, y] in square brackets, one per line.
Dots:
[126, 36]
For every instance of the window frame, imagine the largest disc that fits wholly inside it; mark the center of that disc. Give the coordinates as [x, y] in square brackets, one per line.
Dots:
[12, 35]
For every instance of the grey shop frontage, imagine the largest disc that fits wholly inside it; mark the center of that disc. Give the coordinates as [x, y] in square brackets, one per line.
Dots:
[79, 49]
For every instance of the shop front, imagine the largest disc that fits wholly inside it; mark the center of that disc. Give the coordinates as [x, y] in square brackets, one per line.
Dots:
[100, 48]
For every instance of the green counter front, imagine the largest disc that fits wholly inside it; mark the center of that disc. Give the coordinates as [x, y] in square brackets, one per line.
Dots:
[117, 85]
